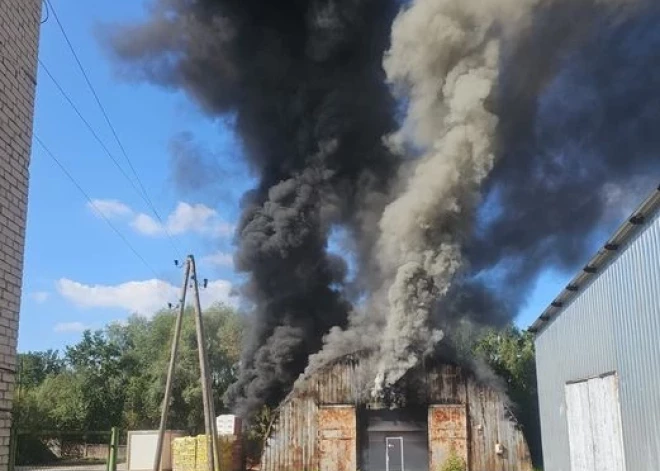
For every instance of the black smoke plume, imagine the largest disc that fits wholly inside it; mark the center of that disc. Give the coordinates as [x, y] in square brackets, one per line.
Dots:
[525, 122]
[305, 83]
[577, 133]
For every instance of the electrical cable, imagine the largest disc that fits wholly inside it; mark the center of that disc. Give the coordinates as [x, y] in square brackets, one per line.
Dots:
[105, 148]
[144, 194]
[93, 205]
[88, 125]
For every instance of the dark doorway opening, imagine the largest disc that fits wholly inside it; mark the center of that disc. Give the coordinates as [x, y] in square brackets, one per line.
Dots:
[394, 440]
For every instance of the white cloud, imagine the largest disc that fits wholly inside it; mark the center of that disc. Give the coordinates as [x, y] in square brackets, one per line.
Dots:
[40, 296]
[68, 327]
[221, 259]
[186, 218]
[190, 218]
[110, 208]
[146, 225]
[197, 218]
[141, 297]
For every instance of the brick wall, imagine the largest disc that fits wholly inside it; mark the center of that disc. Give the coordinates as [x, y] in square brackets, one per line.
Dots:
[19, 32]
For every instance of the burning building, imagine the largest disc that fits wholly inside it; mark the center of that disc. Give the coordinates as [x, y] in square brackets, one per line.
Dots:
[460, 147]
[437, 413]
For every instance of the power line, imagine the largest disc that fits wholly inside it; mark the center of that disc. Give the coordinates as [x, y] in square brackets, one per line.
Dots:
[108, 153]
[144, 193]
[93, 205]
[88, 125]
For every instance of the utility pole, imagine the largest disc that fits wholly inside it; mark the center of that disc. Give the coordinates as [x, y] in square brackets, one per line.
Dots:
[204, 370]
[170, 372]
[190, 273]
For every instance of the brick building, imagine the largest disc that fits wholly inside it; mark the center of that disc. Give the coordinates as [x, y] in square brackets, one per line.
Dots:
[19, 37]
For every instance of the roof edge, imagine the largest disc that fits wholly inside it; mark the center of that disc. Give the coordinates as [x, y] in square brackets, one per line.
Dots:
[609, 252]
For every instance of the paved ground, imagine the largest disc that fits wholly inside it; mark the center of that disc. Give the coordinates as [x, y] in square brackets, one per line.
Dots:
[94, 467]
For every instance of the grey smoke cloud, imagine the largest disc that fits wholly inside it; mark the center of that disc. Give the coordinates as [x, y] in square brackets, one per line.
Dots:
[521, 119]
[193, 167]
[523, 148]
[445, 60]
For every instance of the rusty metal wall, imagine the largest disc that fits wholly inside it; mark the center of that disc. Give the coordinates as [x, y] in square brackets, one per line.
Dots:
[448, 434]
[491, 423]
[294, 441]
[613, 325]
[337, 438]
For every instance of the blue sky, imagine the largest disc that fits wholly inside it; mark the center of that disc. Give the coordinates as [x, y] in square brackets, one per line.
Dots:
[78, 272]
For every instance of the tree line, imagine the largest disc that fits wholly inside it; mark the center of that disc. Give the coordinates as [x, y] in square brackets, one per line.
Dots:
[115, 376]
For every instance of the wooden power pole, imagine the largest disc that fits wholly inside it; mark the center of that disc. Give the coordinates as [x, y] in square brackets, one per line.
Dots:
[190, 274]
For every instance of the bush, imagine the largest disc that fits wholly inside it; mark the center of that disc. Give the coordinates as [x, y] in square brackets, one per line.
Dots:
[31, 450]
[454, 463]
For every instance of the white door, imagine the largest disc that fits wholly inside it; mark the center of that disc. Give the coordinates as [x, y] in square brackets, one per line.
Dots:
[594, 425]
[580, 436]
[606, 420]
[394, 454]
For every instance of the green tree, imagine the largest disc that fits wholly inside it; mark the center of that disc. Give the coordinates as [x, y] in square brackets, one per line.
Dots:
[116, 376]
[148, 350]
[510, 353]
[97, 362]
[60, 404]
[35, 367]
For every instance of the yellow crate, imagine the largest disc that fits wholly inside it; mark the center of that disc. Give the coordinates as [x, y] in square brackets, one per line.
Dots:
[184, 454]
[190, 454]
[202, 463]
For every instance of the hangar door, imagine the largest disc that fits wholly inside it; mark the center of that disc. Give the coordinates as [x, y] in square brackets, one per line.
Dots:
[594, 425]
[337, 438]
[395, 440]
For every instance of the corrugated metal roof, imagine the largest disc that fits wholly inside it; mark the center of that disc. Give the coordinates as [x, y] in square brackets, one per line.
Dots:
[610, 251]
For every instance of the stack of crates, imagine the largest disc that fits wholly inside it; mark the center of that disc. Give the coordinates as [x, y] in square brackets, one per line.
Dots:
[202, 454]
[190, 453]
[184, 454]
[229, 448]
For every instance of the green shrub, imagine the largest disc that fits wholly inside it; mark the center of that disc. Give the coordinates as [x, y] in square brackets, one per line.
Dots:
[32, 451]
[454, 463]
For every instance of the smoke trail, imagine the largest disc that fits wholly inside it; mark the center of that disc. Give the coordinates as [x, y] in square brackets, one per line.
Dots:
[444, 56]
[521, 117]
[576, 108]
[522, 143]
[304, 84]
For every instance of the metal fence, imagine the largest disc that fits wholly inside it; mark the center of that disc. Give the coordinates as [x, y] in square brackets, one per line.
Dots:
[68, 451]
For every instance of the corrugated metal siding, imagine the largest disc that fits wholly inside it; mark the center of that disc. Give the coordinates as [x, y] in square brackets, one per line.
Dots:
[294, 439]
[613, 325]
[445, 385]
[448, 434]
[491, 423]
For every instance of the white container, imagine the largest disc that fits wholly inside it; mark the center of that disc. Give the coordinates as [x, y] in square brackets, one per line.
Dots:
[228, 424]
[141, 449]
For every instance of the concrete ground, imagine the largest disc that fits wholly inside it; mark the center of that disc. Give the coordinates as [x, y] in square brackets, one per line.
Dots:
[94, 467]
